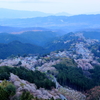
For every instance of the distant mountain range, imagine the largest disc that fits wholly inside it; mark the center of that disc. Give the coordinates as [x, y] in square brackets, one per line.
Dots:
[9, 13]
[15, 30]
[26, 20]
[63, 14]
[66, 23]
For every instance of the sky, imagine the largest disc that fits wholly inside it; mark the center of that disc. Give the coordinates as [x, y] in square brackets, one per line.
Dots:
[54, 6]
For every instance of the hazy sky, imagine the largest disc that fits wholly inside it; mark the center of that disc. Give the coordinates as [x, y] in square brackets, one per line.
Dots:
[54, 6]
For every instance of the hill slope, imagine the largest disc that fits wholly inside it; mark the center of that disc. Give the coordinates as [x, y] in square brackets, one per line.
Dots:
[92, 34]
[16, 47]
[33, 37]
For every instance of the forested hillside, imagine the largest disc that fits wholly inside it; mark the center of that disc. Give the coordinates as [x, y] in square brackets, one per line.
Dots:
[17, 48]
[33, 37]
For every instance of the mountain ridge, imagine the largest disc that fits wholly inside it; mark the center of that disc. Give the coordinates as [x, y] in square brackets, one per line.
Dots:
[26, 14]
[16, 47]
[66, 23]
[20, 13]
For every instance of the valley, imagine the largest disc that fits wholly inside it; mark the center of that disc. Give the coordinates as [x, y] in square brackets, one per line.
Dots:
[49, 57]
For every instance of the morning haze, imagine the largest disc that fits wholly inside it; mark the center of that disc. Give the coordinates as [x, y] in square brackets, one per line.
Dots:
[54, 6]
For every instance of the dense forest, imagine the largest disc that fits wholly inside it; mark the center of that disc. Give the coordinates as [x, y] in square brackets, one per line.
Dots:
[75, 78]
[36, 77]
[16, 47]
